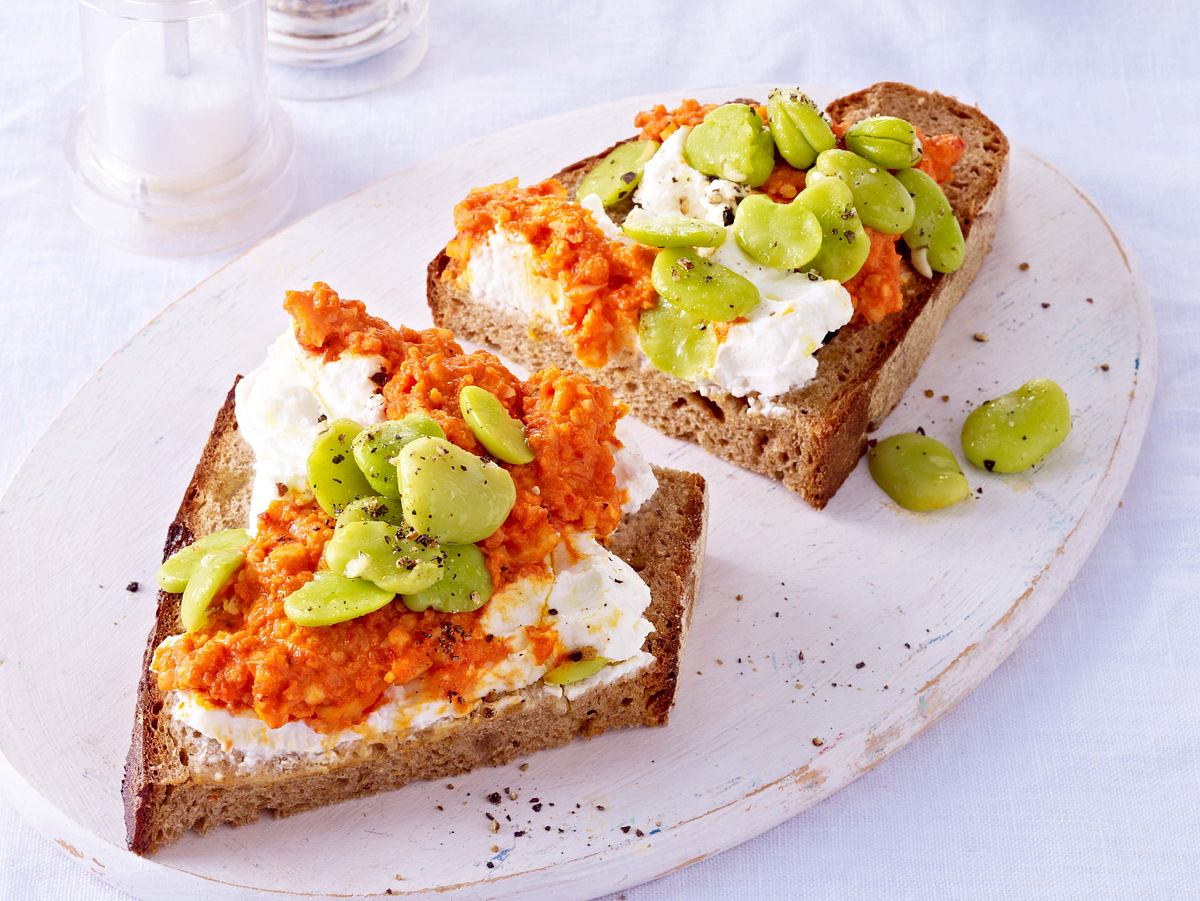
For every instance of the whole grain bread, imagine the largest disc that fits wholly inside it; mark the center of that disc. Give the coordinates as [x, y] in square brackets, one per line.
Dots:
[863, 370]
[177, 779]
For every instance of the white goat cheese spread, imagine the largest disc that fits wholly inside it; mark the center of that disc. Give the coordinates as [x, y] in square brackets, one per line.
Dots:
[773, 351]
[280, 403]
[599, 601]
[669, 186]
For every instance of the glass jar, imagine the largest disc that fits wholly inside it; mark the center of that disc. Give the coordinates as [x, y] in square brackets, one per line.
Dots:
[178, 148]
[322, 49]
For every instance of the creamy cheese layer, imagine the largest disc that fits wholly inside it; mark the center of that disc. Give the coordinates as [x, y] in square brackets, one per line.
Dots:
[280, 405]
[772, 352]
[598, 601]
[670, 186]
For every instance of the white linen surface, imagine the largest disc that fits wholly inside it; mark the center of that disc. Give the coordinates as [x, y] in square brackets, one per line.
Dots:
[1073, 772]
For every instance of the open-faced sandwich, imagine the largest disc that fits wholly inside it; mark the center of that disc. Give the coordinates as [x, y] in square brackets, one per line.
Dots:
[399, 561]
[760, 279]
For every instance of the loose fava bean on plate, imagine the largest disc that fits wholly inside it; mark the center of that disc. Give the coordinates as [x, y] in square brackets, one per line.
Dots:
[671, 231]
[701, 287]
[212, 573]
[388, 556]
[333, 473]
[1017, 430]
[330, 598]
[615, 177]
[917, 472]
[935, 239]
[885, 141]
[452, 495]
[881, 201]
[799, 128]
[844, 243]
[732, 143]
[177, 569]
[576, 671]
[677, 342]
[780, 235]
[500, 433]
[377, 445]
[465, 584]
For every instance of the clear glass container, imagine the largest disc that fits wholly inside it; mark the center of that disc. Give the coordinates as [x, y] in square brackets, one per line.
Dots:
[178, 148]
[324, 49]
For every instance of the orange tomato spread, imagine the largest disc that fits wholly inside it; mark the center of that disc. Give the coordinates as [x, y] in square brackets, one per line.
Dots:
[250, 656]
[605, 283]
[875, 289]
[658, 123]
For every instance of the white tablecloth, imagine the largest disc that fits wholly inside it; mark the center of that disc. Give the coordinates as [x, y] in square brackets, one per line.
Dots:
[1073, 772]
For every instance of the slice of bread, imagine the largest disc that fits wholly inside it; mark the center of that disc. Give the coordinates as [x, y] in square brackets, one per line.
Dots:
[177, 779]
[863, 371]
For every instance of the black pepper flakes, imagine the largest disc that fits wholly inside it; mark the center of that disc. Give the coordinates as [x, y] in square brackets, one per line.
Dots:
[494, 797]
[132, 587]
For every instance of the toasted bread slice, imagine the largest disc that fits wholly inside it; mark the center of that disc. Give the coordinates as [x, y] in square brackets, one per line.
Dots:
[863, 371]
[177, 779]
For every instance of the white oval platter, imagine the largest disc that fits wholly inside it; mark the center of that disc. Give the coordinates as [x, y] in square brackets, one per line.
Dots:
[858, 626]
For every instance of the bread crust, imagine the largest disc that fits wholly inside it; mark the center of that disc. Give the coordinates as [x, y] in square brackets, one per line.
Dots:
[176, 779]
[863, 371]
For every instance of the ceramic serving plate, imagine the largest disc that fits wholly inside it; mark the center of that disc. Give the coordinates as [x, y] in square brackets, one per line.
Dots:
[822, 641]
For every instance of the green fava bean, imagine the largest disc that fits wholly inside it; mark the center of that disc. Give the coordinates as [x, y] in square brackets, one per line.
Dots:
[372, 509]
[917, 472]
[844, 243]
[212, 573]
[500, 433]
[732, 143]
[177, 569]
[377, 445]
[672, 231]
[800, 130]
[701, 287]
[880, 199]
[1018, 429]
[333, 474]
[388, 556]
[465, 584]
[451, 494]
[677, 342]
[885, 141]
[780, 235]
[576, 671]
[615, 177]
[935, 239]
[331, 598]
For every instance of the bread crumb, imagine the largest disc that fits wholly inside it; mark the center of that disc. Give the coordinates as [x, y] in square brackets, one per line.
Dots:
[1104, 367]
[817, 742]
[1024, 267]
[945, 398]
[980, 336]
[929, 392]
[740, 597]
